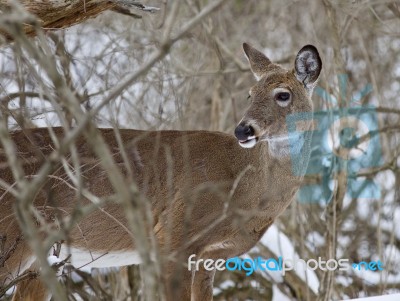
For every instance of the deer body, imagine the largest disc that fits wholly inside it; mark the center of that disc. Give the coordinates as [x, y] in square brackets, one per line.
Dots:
[191, 179]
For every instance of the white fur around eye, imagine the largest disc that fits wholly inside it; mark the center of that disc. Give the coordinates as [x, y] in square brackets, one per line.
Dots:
[282, 103]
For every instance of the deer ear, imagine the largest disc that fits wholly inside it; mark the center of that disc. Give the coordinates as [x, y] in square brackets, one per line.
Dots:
[308, 66]
[258, 61]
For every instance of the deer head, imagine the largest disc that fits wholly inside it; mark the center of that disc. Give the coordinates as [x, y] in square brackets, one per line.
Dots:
[277, 93]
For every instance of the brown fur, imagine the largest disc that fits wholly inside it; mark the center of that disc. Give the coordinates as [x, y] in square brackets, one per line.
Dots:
[206, 167]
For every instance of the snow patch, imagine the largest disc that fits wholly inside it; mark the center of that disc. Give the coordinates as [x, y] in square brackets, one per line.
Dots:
[281, 245]
[394, 297]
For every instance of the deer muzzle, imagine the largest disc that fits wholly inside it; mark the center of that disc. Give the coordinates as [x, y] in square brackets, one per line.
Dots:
[245, 134]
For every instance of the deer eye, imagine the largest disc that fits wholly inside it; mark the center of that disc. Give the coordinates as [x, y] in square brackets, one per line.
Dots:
[283, 96]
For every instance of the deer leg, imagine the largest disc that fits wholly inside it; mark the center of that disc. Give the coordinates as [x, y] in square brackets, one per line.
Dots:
[31, 289]
[178, 282]
[202, 287]
[15, 258]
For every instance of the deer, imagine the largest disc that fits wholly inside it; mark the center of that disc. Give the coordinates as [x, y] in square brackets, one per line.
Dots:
[245, 181]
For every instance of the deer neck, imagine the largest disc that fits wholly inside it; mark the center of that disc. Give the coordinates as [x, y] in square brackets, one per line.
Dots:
[279, 172]
[288, 154]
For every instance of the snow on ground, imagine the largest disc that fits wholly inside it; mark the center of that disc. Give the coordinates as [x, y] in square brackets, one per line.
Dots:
[394, 297]
[281, 245]
[277, 295]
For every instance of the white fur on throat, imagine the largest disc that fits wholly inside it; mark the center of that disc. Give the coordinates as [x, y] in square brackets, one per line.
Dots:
[284, 145]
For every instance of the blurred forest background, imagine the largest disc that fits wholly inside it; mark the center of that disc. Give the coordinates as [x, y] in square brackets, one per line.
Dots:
[202, 82]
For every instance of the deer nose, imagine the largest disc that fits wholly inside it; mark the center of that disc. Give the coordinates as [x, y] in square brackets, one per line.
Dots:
[244, 131]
